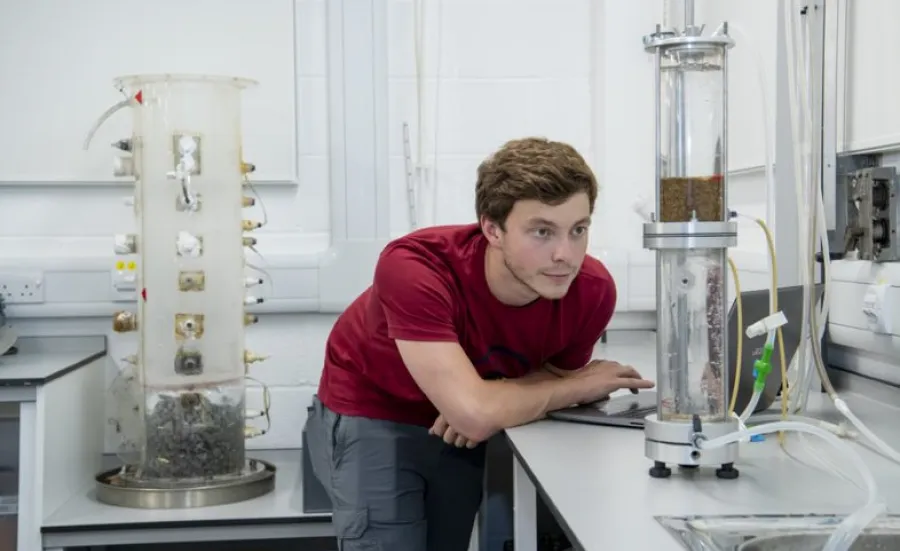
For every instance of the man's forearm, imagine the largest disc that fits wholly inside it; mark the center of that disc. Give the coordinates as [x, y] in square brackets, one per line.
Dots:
[514, 402]
[544, 374]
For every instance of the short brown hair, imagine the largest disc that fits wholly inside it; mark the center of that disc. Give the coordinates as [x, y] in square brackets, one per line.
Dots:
[531, 168]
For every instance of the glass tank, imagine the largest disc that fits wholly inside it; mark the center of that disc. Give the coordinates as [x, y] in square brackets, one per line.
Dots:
[692, 130]
[186, 148]
[692, 379]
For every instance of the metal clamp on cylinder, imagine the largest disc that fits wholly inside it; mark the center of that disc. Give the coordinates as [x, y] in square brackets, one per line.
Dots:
[690, 235]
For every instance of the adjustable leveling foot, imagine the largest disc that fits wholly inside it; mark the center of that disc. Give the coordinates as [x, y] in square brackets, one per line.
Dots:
[661, 470]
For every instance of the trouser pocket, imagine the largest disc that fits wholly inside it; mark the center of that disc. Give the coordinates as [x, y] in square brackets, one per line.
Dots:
[320, 427]
[350, 526]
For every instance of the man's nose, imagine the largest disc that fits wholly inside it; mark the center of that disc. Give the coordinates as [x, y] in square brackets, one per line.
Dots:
[563, 251]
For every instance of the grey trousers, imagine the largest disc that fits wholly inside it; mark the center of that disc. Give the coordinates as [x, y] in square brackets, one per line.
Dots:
[394, 487]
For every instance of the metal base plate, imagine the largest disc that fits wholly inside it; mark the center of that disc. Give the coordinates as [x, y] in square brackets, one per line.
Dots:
[115, 487]
[671, 443]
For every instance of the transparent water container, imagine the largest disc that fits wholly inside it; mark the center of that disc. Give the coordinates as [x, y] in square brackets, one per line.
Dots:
[188, 169]
[692, 110]
[691, 337]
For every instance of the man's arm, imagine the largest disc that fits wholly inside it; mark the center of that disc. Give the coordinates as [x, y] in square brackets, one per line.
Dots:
[476, 408]
[419, 305]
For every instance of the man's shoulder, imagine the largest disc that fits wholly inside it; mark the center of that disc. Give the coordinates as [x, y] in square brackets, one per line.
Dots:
[593, 288]
[447, 243]
[594, 277]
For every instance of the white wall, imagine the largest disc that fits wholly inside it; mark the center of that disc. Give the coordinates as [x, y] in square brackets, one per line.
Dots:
[868, 113]
[571, 70]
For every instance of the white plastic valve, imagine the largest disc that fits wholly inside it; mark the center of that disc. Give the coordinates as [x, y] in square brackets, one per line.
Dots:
[123, 166]
[768, 323]
[644, 208]
[188, 245]
[124, 243]
[187, 145]
[251, 281]
[253, 300]
[187, 164]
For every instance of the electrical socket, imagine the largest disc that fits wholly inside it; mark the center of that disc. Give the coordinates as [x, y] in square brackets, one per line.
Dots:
[22, 288]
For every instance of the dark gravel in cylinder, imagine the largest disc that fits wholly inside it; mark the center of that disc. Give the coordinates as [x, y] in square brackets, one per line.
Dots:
[189, 436]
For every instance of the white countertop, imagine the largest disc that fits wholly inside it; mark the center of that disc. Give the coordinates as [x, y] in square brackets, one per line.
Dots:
[34, 369]
[39, 360]
[285, 503]
[596, 478]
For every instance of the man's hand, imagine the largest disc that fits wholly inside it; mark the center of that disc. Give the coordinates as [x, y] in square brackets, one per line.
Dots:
[444, 431]
[604, 377]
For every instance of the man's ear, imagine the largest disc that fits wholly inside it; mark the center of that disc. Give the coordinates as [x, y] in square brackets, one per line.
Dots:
[491, 230]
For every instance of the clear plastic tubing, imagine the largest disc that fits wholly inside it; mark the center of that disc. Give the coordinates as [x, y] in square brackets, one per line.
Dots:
[851, 527]
[833, 428]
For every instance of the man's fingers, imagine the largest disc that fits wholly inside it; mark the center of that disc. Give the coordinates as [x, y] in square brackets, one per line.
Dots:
[628, 371]
[439, 427]
[450, 436]
[635, 383]
[460, 441]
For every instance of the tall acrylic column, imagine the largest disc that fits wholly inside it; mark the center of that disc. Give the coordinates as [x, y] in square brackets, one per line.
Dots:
[690, 234]
[189, 181]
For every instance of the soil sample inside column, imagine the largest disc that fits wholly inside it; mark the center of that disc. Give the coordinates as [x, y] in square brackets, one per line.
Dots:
[681, 199]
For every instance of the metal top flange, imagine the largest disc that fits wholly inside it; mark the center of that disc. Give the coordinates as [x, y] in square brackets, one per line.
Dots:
[668, 38]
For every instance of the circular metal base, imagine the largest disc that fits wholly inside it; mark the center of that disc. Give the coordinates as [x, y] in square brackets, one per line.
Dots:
[671, 443]
[117, 487]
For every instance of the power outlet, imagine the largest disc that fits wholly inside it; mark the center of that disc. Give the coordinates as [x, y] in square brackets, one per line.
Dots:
[22, 288]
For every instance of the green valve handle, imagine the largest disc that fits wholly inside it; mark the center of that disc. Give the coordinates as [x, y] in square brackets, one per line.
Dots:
[763, 367]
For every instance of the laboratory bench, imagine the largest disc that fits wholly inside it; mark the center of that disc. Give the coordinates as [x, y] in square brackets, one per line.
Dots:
[34, 470]
[596, 483]
[82, 521]
[594, 480]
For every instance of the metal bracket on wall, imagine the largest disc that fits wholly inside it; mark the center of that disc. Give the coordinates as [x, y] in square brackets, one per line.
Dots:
[868, 209]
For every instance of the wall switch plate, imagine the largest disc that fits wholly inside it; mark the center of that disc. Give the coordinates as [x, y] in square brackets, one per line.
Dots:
[22, 287]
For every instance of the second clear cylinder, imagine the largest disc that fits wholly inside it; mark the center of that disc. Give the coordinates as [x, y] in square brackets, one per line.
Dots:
[691, 336]
[692, 133]
[187, 159]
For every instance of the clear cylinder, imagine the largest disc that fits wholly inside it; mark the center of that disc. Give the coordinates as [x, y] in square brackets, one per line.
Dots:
[692, 106]
[691, 336]
[186, 145]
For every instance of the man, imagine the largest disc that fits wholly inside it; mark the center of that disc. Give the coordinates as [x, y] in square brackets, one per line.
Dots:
[465, 331]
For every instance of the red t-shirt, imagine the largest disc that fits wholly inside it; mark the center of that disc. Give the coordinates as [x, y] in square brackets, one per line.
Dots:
[430, 286]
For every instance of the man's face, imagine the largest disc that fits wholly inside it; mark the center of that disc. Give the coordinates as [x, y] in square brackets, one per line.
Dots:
[543, 246]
